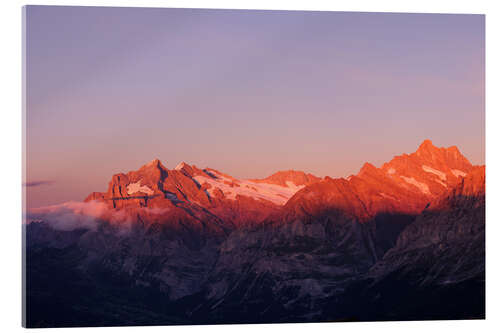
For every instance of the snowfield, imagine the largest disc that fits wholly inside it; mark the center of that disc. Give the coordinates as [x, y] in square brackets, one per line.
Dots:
[458, 173]
[231, 188]
[438, 173]
[136, 187]
[421, 186]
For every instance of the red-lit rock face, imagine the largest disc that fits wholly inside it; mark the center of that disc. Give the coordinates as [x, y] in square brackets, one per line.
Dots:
[210, 199]
[283, 178]
[469, 193]
[207, 195]
[406, 184]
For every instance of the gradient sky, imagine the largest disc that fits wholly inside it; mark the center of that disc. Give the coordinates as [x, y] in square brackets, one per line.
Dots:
[244, 92]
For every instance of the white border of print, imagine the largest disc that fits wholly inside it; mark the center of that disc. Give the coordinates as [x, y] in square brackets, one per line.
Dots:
[11, 163]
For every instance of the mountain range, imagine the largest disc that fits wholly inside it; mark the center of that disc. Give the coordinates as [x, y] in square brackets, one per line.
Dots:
[197, 246]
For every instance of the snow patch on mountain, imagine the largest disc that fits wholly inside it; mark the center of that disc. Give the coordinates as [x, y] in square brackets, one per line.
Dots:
[421, 186]
[458, 173]
[438, 173]
[292, 185]
[231, 188]
[440, 182]
[136, 187]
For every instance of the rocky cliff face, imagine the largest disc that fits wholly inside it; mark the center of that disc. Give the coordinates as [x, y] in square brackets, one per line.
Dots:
[188, 192]
[405, 185]
[285, 178]
[396, 242]
[440, 256]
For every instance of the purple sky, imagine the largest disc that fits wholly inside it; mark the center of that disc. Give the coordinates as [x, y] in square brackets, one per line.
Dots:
[244, 92]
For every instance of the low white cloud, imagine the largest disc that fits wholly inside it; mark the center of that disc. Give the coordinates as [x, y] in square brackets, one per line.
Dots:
[73, 215]
[70, 215]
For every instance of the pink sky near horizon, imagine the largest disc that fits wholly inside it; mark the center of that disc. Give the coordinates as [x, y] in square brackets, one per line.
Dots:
[244, 92]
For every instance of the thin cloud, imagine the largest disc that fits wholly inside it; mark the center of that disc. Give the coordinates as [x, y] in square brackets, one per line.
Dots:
[69, 215]
[38, 183]
[74, 215]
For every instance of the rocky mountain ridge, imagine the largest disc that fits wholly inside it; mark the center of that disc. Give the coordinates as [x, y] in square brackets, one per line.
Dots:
[392, 243]
[406, 184]
[187, 190]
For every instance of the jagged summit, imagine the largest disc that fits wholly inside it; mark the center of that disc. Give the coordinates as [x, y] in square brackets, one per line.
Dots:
[153, 164]
[366, 169]
[289, 177]
[426, 144]
[187, 192]
[181, 165]
[407, 183]
[187, 170]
